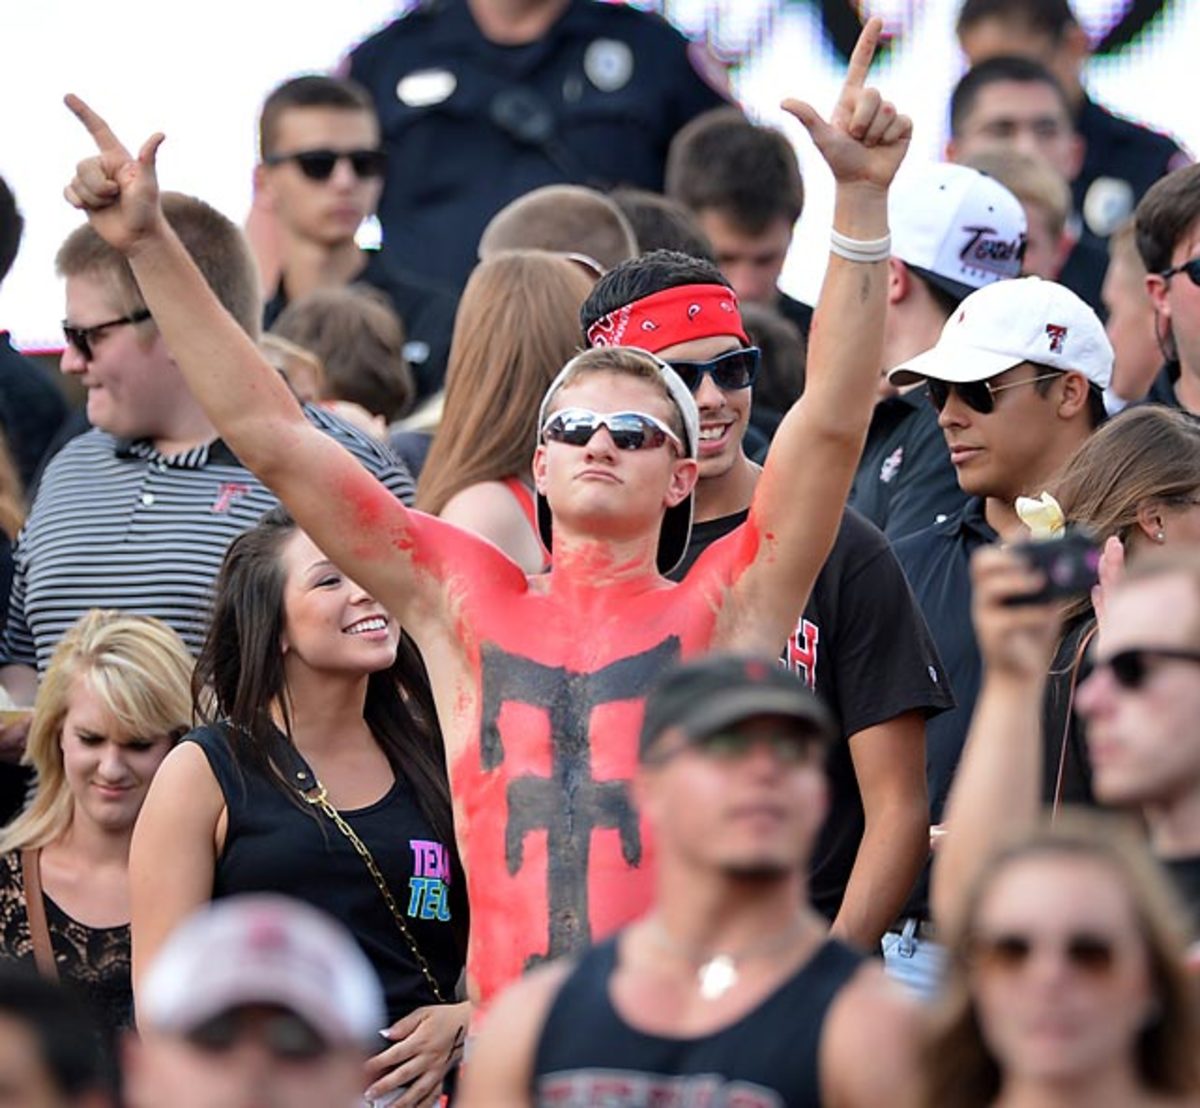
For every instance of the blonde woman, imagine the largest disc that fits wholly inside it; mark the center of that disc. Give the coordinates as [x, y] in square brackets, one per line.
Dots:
[1067, 983]
[114, 700]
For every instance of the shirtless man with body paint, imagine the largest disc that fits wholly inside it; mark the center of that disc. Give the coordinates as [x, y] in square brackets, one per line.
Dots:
[539, 680]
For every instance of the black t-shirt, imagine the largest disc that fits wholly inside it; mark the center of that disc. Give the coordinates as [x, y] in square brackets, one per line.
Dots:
[470, 124]
[275, 843]
[863, 647]
[1123, 150]
[1162, 388]
[905, 481]
[425, 310]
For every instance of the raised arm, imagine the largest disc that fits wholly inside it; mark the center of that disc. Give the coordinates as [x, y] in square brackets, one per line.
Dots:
[799, 499]
[347, 512]
[997, 789]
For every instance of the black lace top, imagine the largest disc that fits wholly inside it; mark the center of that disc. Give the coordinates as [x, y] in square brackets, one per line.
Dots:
[94, 960]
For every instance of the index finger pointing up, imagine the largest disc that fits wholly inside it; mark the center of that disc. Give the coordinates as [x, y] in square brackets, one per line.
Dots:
[101, 132]
[864, 53]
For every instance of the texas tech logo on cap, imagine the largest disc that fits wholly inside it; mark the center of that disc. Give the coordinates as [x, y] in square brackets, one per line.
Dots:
[985, 250]
[1057, 334]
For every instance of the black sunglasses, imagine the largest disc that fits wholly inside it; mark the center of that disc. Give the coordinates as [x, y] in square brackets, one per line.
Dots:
[318, 165]
[284, 1034]
[735, 370]
[629, 430]
[792, 746]
[979, 396]
[1130, 668]
[81, 337]
[1191, 267]
[1093, 955]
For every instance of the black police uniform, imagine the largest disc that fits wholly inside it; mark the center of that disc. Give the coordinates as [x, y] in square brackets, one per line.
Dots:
[1132, 156]
[470, 124]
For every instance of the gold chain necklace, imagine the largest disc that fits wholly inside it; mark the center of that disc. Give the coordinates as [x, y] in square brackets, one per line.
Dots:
[318, 797]
[717, 973]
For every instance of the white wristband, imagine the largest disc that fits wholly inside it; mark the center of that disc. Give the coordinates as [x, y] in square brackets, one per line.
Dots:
[860, 250]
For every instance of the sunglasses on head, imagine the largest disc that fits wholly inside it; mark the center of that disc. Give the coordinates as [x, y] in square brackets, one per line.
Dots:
[628, 430]
[1009, 952]
[284, 1034]
[81, 337]
[979, 396]
[1130, 668]
[318, 165]
[735, 370]
[1191, 267]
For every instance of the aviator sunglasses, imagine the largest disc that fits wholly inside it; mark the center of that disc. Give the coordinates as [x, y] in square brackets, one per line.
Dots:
[735, 370]
[1191, 267]
[979, 396]
[81, 337]
[629, 430]
[318, 165]
[1130, 668]
[1009, 952]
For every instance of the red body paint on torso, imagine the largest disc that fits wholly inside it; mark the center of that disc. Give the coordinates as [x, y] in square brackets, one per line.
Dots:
[541, 716]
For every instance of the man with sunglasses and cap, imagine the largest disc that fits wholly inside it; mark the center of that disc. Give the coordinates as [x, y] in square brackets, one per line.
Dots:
[321, 173]
[729, 990]
[539, 681]
[256, 1001]
[861, 642]
[954, 230]
[1017, 378]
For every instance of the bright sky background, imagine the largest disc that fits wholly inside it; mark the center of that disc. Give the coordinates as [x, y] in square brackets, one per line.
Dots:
[201, 79]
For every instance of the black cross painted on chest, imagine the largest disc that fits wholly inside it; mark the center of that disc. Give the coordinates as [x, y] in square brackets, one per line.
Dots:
[570, 803]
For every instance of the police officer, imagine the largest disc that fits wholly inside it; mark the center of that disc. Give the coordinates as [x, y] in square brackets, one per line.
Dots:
[1121, 159]
[479, 105]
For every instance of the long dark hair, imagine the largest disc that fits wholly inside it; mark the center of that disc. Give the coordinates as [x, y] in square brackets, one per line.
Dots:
[239, 677]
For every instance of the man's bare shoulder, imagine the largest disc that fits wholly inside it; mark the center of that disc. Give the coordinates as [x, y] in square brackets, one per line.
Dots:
[869, 1044]
[498, 1072]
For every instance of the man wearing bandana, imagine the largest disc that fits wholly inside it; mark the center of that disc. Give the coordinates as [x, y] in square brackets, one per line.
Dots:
[539, 681]
[861, 643]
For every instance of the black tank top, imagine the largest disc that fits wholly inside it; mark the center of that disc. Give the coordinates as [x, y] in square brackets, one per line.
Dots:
[588, 1054]
[275, 845]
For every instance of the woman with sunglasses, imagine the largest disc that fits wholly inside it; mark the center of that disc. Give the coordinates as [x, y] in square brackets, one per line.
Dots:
[115, 698]
[1067, 984]
[319, 776]
[517, 324]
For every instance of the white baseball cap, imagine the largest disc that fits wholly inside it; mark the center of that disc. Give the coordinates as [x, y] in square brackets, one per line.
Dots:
[264, 949]
[1010, 322]
[958, 228]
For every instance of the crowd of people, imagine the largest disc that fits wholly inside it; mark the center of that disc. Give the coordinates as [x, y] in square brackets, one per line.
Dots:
[542, 662]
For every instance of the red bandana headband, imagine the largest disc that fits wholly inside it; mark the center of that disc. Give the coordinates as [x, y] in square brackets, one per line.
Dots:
[674, 315]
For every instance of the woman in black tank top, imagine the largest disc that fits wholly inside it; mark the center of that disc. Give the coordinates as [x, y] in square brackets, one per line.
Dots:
[320, 776]
[1067, 981]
